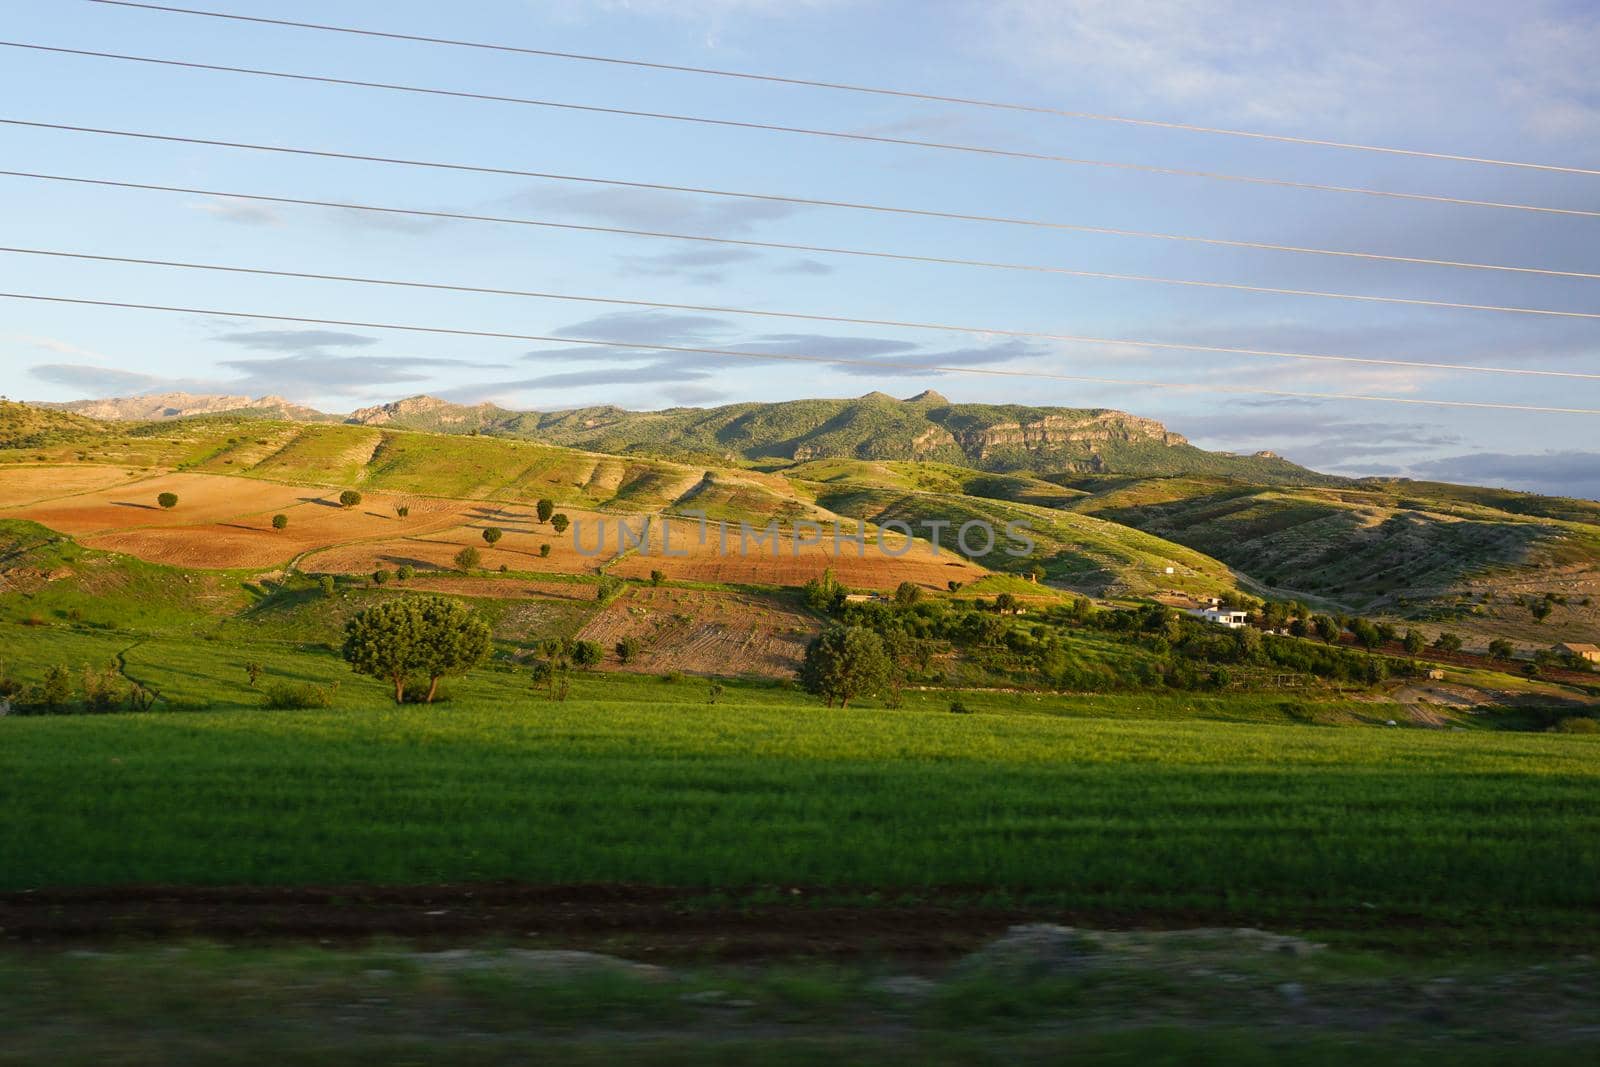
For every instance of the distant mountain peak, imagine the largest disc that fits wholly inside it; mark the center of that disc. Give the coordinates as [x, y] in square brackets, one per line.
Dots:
[928, 396]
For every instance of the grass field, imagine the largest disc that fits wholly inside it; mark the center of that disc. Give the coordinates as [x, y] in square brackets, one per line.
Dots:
[646, 783]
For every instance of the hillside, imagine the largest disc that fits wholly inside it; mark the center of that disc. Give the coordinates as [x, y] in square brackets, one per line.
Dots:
[923, 428]
[30, 426]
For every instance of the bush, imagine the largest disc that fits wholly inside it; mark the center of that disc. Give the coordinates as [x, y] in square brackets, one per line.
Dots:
[289, 696]
[544, 551]
[627, 649]
[280, 521]
[657, 577]
[380, 576]
[467, 559]
[327, 585]
[56, 692]
[1577, 724]
[253, 671]
[349, 498]
[958, 708]
[587, 653]
[102, 689]
[713, 692]
[402, 510]
[404, 572]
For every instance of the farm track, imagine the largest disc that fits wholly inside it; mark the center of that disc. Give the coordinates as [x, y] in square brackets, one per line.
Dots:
[657, 922]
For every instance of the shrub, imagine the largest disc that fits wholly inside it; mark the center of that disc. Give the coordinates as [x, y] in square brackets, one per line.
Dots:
[713, 692]
[168, 500]
[380, 576]
[404, 572]
[587, 653]
[544, 551]
[327, 585]
[140, 698]
[102, 689]
[1577, 724]
[627, 649]
[289, 696]
[279, 522]
[349, 498]
[402, 510]
[958, 708]
[657, 577]
[253, 671]
[467, 559]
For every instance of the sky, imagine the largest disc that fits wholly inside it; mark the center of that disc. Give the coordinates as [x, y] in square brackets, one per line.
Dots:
[1512, 82]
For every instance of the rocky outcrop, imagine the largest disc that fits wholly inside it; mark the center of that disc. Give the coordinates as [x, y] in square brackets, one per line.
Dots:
[1051, 431]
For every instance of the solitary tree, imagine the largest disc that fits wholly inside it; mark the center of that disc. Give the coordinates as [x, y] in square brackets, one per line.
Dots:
[907, 594]
[544, 551]
[380, 576]
[1415, 642]
[1501, 649]
[544, 509]
[1447, 642]
[587, 653]
[253, 671]
[424, 637]
[657, 577]
[627, 649]
[491, 534]
[168, 500]
[560, 522]
[280, 521]
[1005, 603]
[349, 498]
[467, 559]
[402, 510]
[844, 662]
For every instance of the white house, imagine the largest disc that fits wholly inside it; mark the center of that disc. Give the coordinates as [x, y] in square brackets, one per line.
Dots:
[1228, 617]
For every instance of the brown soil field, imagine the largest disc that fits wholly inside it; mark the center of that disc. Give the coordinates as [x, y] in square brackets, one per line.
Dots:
[21, 486]
[790, 564]
[202, 499]
[518, 549]
[705, 632]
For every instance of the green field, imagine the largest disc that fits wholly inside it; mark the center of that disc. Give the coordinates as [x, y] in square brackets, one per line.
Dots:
[649, 784]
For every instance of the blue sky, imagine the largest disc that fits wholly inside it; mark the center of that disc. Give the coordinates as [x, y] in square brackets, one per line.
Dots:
[1471, 77]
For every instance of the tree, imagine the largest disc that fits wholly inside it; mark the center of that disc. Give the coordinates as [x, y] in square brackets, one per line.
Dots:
[56, 691]
[402, 510]
[1005, 603]
[587, 653]
[952, 585]
[823, 593]
[713, 691]
[404, 572]
[844, 662]
[168, 500]
[380, 576]
[906, 594]
[657, 577]
[544, 509]
[1415, 642]
[280, 521]
[349, 498]
[1327, 628]
[559, 522]
[544, 551]
[467, 559]
[423, 637]
[492, 534]
[627, 649]
[1501, 649]
[1447, 642]
[1366, 634]
[253, 670]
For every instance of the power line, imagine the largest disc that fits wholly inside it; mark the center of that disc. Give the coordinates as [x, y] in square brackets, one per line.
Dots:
[593, 109]
[818, 249]
[873, 90]
[842, 361]
[1002, 220]
[808, 317]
